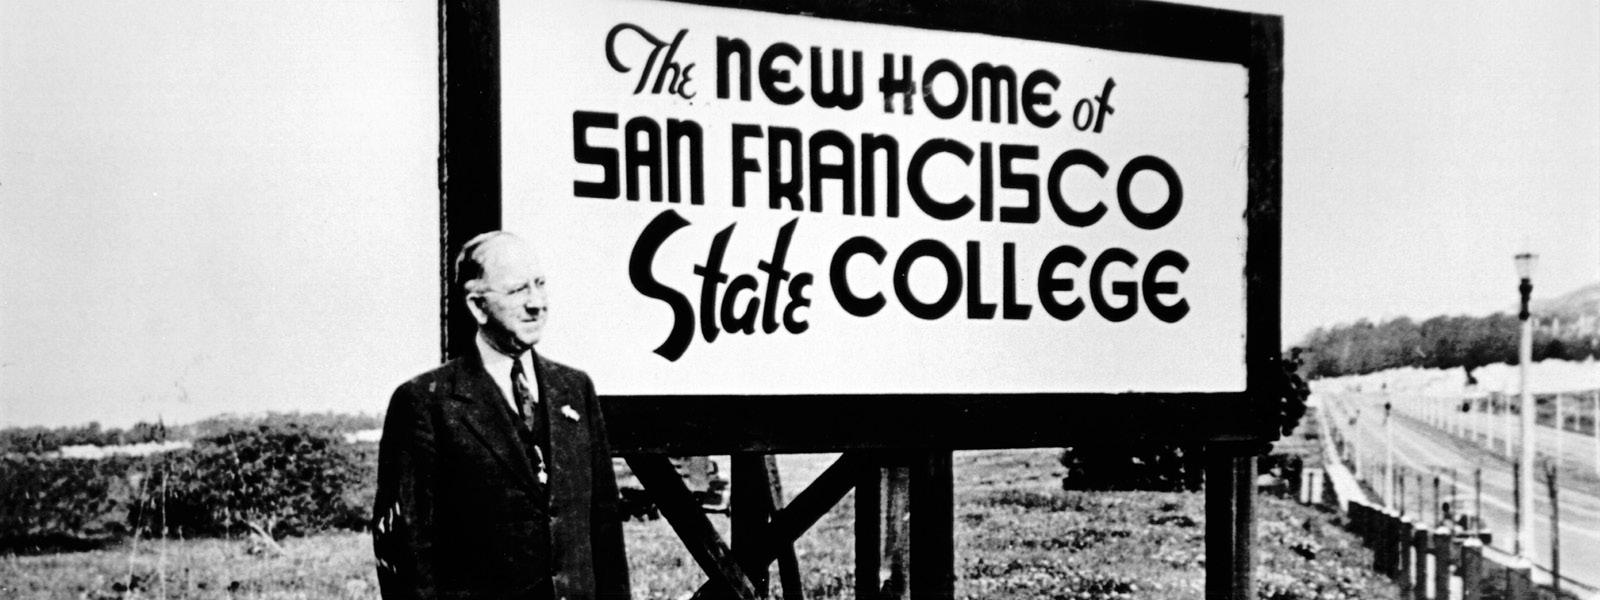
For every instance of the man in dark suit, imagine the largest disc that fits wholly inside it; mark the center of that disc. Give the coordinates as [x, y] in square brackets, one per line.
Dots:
[494, 473]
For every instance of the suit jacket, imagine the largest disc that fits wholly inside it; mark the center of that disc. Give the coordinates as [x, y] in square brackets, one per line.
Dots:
[458, 513]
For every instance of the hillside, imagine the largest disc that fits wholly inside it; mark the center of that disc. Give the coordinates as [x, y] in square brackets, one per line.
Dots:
[1571, 305]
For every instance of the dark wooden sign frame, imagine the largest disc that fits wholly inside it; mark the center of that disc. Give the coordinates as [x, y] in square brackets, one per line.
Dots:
[917, 432]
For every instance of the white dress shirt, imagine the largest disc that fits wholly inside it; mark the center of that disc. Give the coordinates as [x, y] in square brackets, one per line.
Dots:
[499, 366]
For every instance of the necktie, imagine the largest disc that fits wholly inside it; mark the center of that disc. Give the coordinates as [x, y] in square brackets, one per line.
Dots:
[529, 408]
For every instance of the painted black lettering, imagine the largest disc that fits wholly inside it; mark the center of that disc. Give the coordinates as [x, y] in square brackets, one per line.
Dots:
[1049, 284]
[1068, 214]
[772, 75]
[902, 85]
[639, 273]
[728, 47]
[995, 76]
[1032, 100]
[871, 145]
[843, 171]
[1129, 290]
[1169, 209]
[836, 96]
[944, 67]
[609, 187]
[838, 276]
[679, 131]
[779, 188]
[902, 279]
[976, 307]
[919, 194]
[642, 155]
[1168, 313]
[742, 164]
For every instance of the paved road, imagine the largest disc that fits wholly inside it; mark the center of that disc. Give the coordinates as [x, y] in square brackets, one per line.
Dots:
[1420, 448]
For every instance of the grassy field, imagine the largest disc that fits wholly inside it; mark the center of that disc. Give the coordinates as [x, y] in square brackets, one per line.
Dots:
[1017, 536]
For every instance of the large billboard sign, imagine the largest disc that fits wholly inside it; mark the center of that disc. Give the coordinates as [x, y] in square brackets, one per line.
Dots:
[736, 203]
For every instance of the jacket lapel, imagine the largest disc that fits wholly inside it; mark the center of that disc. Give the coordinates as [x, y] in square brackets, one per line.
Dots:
[564, 406]
[486, 414]
[565, 402]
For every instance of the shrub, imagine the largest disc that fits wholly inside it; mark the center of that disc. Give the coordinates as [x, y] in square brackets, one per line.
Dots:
[1152, 467]
[270, 480]
[48, 504]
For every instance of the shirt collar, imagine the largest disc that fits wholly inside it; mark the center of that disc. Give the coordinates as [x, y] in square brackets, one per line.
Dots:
[498, 364]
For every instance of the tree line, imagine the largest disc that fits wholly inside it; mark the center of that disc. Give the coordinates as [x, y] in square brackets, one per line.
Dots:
[36, 439]
[1442, 342]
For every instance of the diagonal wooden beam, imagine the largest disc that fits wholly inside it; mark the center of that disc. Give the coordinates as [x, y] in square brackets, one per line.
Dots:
[792, 521]
[816, 500]
[690, 522]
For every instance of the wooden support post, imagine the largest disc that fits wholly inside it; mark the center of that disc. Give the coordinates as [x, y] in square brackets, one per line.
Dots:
[469, 150]
[1375, 516]
[933, 559]
[1394, 546]
[1519, 581]
[689, 521]
[1397, 546]
[1369, 526]
[897, 532]
[1244, 524]
[1405, 564]
[1380, 542]
[750, 510]
[1444, 561]
[1222, 491]
[869, 536]
[1359, 523]
[1421, 547]
[1472, 569]
[788, 562]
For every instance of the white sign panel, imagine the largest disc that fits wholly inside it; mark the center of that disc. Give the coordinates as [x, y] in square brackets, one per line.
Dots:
[734, 202]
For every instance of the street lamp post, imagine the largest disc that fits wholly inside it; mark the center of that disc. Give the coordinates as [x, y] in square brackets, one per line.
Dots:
[1388, 461]
[1526, 262]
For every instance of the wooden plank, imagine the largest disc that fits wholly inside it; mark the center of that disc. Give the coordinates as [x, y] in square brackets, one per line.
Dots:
[750, 509]
[816, 500]
[1244, 527]
[1220, 527]
[1263, 265]
[1155, 28]
[869, 523]
[689, 521]
[469, 149]
[897, 534]
[709, 425]
[788, 562]
[933, 557]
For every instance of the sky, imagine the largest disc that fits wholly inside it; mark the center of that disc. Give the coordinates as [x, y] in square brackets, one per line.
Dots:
[215, 208]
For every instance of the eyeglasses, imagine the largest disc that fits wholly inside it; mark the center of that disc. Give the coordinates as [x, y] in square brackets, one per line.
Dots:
[521, 292]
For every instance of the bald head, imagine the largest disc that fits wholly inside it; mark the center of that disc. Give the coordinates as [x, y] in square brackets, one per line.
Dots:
[504, 286]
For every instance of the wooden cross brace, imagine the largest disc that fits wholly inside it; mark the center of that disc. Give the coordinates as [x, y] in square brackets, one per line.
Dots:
[727, 570]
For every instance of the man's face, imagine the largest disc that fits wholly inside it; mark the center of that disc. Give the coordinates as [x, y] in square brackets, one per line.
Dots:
[513, 309]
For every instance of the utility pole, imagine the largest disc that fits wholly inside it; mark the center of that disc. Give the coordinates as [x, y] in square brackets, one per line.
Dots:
[1526, 262]
[1388, 459]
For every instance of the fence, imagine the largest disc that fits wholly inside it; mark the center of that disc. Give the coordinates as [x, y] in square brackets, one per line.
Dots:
[1444, 559]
